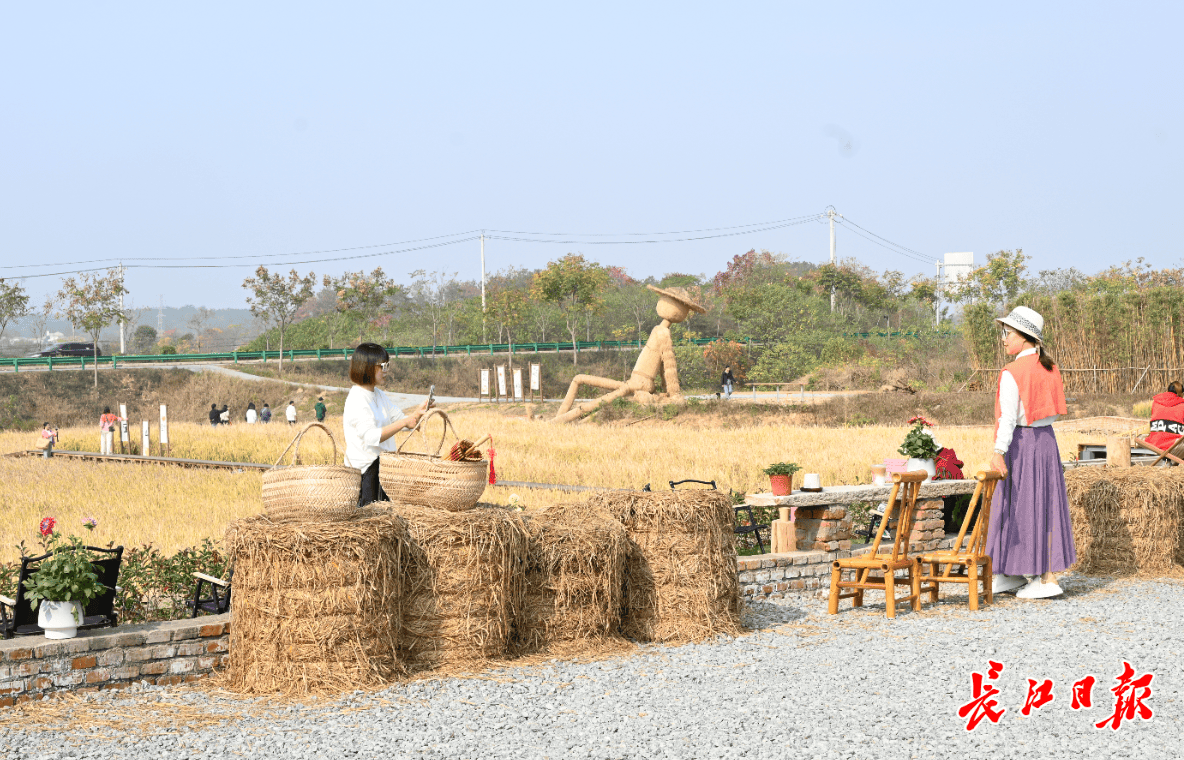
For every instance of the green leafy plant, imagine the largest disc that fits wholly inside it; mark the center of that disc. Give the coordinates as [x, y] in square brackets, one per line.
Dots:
[919, 442]
[782, 468]
[67, 575]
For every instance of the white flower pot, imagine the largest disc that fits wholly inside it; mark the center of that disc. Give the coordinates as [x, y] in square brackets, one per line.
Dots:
[928, 465]
[59, 620]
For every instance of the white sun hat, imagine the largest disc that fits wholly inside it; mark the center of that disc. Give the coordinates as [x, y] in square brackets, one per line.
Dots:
[1027, 321]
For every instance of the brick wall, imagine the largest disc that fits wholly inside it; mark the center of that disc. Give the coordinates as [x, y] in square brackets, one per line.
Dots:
[172, 652]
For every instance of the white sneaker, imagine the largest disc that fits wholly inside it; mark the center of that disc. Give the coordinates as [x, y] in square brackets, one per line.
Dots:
[1038, 590]
[1003, 583]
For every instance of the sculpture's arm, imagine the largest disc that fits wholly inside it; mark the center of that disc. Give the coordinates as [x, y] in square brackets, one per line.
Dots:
[670, 369]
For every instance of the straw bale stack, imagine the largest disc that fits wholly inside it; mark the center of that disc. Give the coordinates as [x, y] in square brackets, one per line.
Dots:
[575, 574]
[316, 606]
[681, 582]
[464, 576]
[1127, 521]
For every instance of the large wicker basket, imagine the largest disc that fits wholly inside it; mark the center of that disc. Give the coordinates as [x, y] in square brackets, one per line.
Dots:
[311, 493]
[429, 480]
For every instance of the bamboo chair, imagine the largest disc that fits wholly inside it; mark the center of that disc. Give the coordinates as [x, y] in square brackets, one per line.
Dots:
[973, 555]
[1170, 453]
[904, 495]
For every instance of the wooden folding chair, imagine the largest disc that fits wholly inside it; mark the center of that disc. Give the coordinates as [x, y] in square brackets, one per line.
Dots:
[904, 495]
[1170, 453]
[970, 557]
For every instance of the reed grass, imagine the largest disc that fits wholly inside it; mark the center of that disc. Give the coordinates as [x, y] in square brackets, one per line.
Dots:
[175, 507]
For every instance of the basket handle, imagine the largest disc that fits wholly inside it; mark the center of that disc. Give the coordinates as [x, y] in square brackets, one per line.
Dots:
[296, 442]
[419, 427]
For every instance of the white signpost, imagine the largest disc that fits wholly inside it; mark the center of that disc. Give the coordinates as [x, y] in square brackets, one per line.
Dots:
[485, 384]
[145, 441]
[164, 430]
[125, 436]
[518, 383]
[501, 382]
[536, 381]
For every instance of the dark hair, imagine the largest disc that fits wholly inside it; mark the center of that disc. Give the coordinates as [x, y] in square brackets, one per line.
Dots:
[1175, 387]
[320, 398]
[45, 425]
[251, 405]
[106, 410]
[213, 406]
[361, 365]
[1045, 360]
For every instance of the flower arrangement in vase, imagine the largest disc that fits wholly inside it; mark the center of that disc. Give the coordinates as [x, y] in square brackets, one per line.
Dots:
[920, 447]
[64, 582]
[781, 477]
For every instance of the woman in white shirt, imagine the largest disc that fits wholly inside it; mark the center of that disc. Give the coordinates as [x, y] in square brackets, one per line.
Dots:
[252, 415]
[371, 418]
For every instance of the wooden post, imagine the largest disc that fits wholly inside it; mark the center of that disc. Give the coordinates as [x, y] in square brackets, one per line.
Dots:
[164, 431]
[145, 441]
[125, 437]
[1118, 451]
[783, 535]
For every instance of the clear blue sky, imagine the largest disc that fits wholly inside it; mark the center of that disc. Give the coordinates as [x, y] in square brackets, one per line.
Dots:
[251, 129]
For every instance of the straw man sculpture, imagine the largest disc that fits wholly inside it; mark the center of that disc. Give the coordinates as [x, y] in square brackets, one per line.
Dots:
[674, 305]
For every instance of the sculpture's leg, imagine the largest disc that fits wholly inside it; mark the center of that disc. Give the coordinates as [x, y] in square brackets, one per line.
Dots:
[594, 404]
[578, 380]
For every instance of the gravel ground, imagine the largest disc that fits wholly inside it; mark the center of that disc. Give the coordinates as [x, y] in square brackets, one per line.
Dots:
[801, 684]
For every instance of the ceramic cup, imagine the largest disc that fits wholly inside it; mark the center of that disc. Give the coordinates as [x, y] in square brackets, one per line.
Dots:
[811, 480]
[879, 474]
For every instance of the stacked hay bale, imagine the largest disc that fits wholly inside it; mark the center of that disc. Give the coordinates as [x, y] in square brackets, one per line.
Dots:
[464, 576]
[575, 572]
[1127, 521]
[681, 582]
[316, 605]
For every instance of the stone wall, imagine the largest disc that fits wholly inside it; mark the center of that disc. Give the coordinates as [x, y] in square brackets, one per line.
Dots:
[171, 652]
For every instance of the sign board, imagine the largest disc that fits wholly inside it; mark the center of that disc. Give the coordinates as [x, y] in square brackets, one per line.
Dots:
[501, 381]
[485, 382]
[536, 378]
[125, 436]
[146, 443]
[518, 383]
[164, 426]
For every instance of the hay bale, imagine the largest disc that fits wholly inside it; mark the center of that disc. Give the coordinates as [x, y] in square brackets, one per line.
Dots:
[575, 573]
[681, 582]
[316, 606]
[464, 576]
[1127, 521]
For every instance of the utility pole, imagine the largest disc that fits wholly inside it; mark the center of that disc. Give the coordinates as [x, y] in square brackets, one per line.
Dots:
[160, 320]
[937, 296]
[122, 270]
[830, 212]
[483, 336]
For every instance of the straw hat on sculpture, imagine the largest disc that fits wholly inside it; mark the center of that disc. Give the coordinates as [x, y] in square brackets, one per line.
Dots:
[674, 306]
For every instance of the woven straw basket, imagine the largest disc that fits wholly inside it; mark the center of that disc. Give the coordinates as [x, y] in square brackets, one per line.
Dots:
[311, 493]
[429, 480]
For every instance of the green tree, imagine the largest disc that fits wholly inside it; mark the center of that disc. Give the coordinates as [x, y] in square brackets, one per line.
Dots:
[998, 282]
[574, 285]
[14, 303]
[276, 299]
[143, 339]
[361, 295]
[92, 303]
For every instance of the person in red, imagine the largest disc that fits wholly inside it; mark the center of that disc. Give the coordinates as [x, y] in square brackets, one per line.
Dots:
[107, 424]
[1030, 536]
[1167, 417]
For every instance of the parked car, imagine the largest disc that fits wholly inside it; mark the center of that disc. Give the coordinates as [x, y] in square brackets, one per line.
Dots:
[69, 349]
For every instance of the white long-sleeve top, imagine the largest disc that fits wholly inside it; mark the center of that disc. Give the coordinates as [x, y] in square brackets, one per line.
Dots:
[366, 414]
[1011, 409]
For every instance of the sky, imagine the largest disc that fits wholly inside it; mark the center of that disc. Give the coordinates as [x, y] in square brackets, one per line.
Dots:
[275, 132]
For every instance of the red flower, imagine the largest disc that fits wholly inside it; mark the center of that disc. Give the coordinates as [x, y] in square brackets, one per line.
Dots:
[924, 422]
[47, 525]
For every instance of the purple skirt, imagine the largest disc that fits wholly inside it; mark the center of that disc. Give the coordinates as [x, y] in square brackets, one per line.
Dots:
[1030, 532]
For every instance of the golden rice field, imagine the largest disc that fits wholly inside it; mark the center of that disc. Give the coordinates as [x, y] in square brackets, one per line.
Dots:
[173, 507]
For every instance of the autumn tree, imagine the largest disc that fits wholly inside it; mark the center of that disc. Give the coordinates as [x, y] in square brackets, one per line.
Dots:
[361, 294]
[92, 303]
[275, 299]
[574, 285]
[14, 303]
[198, 322]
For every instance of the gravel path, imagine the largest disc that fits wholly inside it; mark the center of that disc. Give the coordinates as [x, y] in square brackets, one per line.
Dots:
[802, 684]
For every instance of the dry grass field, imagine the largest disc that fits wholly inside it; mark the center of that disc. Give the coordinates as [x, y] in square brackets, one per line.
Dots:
[173, 507]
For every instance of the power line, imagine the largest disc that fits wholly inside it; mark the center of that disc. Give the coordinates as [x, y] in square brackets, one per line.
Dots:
[894, 247]
[795, 220]
[575, 241]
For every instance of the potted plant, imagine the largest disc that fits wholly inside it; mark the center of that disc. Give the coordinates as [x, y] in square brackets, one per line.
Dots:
[64, 582]
[781, 477]
[920, 447]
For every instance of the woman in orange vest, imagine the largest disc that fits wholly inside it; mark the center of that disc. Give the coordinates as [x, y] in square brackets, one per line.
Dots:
[1167, 417]
[1030, 536]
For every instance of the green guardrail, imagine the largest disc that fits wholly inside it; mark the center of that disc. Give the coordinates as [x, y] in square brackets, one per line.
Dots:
[396, 351]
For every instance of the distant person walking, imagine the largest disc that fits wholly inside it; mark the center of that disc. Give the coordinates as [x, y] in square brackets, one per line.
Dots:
[728, 381]
[252, 415]
[1030, 532]
[107, 423]
[50, 437]
[224, 415]
[265, 414]
[215, 415]
[320, 409]
[290, 412]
